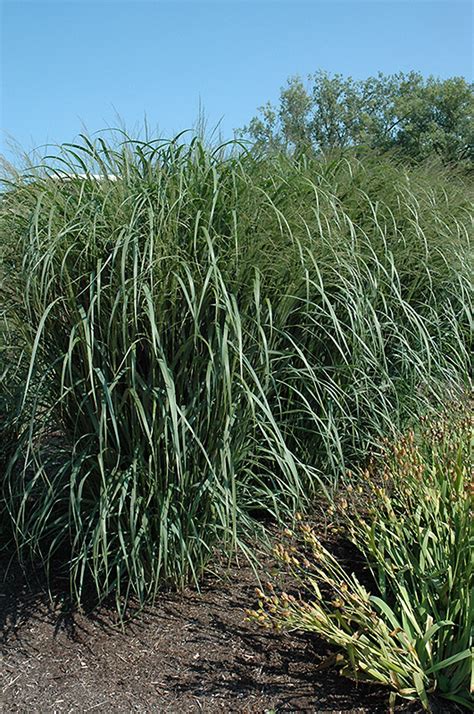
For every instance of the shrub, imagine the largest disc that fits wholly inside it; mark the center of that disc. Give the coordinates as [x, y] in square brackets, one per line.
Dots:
[411, 518]
[209, 335]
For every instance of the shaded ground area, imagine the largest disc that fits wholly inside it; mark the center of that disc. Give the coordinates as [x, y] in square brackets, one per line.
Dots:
[191, 652]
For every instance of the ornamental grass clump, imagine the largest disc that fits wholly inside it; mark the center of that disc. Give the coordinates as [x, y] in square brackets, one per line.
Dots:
[411, 518]
[203, 337]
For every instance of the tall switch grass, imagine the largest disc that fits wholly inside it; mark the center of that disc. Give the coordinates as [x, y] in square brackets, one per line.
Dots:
[206, 336]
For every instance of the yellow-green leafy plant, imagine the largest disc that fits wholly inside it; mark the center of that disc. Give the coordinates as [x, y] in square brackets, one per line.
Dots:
[410, 516]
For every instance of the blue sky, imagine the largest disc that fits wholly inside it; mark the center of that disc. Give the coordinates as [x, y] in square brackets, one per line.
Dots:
[70, 63]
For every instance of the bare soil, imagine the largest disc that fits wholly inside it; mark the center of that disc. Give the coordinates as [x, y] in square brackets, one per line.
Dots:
[190, 652]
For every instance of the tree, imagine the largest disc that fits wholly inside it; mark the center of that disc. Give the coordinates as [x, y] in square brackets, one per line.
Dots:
[419, 117]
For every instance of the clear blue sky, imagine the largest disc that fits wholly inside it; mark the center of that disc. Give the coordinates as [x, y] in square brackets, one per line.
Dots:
[70, 63]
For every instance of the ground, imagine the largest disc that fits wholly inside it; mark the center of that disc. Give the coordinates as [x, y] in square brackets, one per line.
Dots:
[190, 652]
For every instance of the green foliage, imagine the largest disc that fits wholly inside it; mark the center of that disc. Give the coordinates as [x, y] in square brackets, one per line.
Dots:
[410, 516]
[204, 335]
[418, 117]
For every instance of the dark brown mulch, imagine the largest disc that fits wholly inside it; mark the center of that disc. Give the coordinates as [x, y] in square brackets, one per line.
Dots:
[191, 652]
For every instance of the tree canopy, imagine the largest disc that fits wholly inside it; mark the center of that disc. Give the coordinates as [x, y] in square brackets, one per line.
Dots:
[420, 117]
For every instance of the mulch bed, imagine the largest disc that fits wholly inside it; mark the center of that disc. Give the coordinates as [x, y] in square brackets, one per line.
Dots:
[190, 652]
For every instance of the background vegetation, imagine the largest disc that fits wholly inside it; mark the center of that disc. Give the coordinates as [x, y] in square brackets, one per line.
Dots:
[418, 117]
